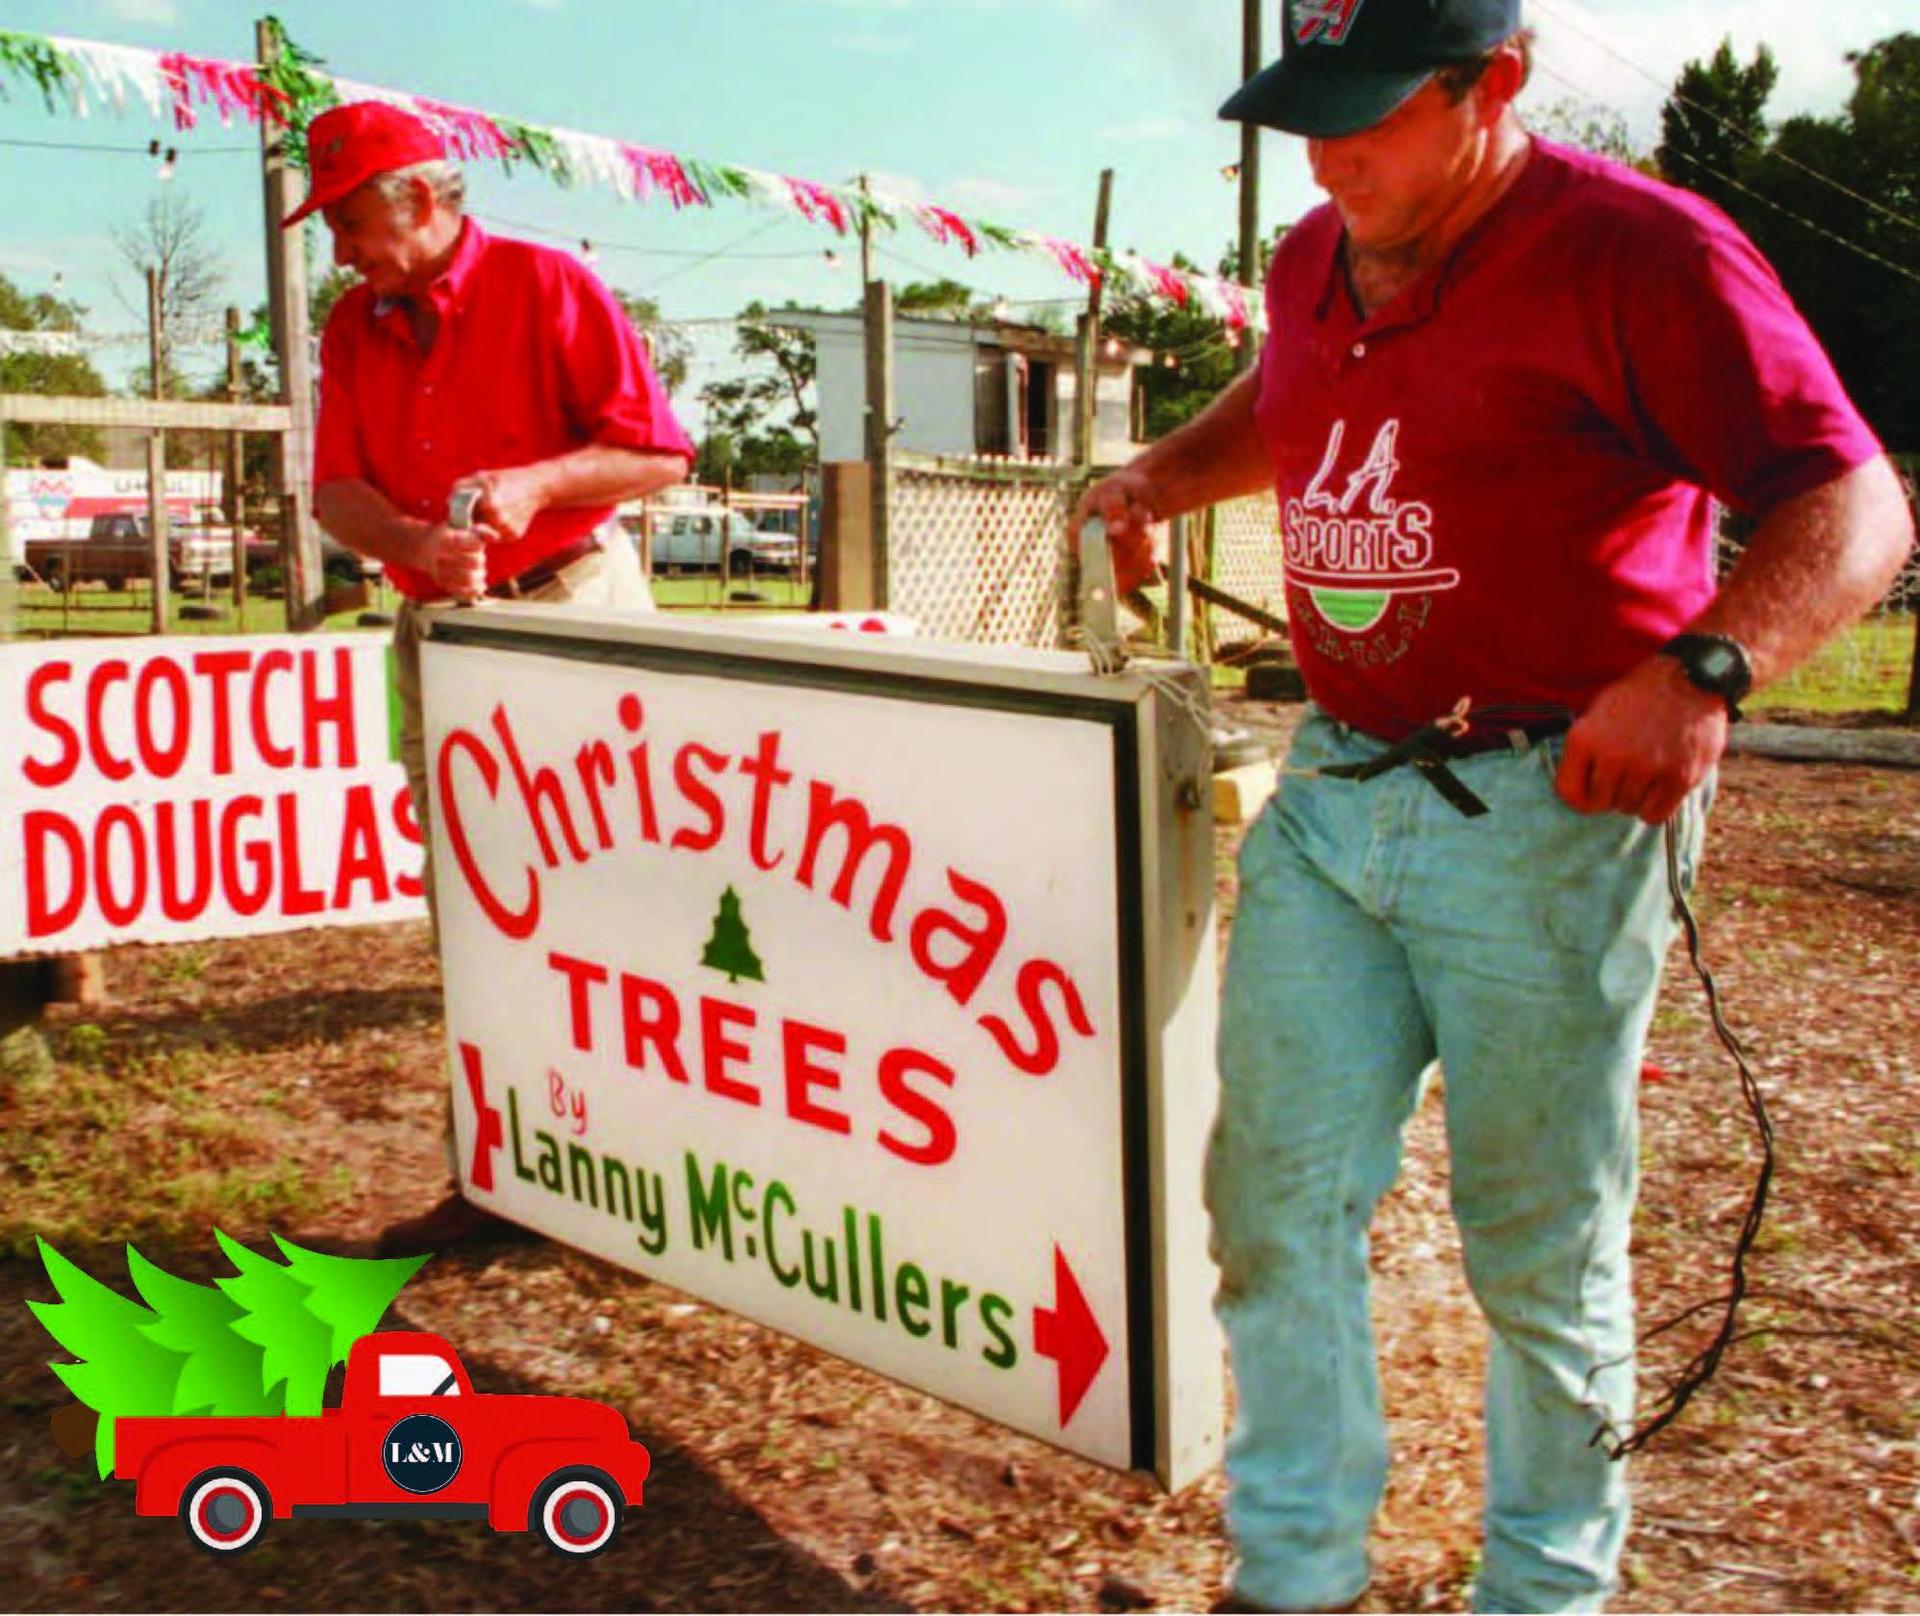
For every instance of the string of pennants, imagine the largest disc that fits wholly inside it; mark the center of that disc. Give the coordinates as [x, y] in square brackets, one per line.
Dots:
[86, 74]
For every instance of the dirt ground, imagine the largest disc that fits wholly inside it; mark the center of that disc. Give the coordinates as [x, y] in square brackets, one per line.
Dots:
[293, 1084]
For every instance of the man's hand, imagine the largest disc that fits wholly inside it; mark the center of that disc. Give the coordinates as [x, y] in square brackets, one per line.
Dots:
[456, 559]
[510, 499]
[1127, 503]
[1646, 741]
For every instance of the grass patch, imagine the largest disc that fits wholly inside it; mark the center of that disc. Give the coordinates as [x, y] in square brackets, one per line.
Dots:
[94, 610]
[1868, 667]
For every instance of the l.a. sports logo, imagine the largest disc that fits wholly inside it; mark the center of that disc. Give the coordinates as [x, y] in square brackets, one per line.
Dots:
[1324, 20]
[1353, 558]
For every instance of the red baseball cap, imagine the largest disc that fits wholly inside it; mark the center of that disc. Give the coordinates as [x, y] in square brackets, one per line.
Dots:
[347, 146]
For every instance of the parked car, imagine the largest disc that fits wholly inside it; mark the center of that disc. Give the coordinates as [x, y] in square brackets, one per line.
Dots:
[696, 537]
[410, 1438]
[118, 548]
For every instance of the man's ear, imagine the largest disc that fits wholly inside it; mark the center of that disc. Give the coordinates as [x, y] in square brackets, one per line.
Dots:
[1505, 76]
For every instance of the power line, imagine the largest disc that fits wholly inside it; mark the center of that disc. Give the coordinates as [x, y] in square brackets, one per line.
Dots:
[1731, 128]
[142, 150]
[600, 245]
[1759, 196]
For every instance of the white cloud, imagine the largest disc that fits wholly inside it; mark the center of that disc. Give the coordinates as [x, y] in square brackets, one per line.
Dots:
[142, 10]
[897, 187]
[981, 195]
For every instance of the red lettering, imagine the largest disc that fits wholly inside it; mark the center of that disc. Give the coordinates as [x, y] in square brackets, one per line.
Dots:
[512, 923]
[581, 975]
[112, 671]
[632, 716]
[541, 792]
[242, 899]
[661, 1027]
[980, 944]
[166, 847]
[218, 668]
[361, 856]
[407, 882]
[38, 827]
[718, 1051]
[1044, 1054]
[60, 770]
[295, 899]
[336, 710]
[116, 909]
[825, 812]
[595, 765]
[278, 660]
[896, 1066]
[763, 768]
[162, 763]
[700, 796]
[799, 1041]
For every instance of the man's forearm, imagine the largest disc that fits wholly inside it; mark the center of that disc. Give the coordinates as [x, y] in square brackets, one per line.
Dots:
[1216, 456]
[604, 474]
[1815, 564]
[366, 521]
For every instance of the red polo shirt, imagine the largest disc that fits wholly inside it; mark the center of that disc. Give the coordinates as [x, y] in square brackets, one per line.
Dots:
[533, 359]
[1499, 485]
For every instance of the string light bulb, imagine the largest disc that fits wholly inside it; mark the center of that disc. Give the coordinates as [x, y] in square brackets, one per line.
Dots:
[1113, 347]
[1230, 171]
[587, 253]
[1001, 308]
[166, 160]
[833, 259]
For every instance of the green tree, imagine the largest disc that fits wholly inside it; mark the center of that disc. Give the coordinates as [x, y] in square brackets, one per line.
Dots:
[70, 375]
[730, 948]
[941, 300]
[220, 1370]
[349, 1294]
[1194, 356]
[296, 1346]
[773, 397]
[669, 347]
[1714, 123]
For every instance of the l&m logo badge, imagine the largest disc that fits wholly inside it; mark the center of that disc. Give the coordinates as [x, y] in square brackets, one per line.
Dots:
[1354, 550]
[421, 1454]
[1325, 21]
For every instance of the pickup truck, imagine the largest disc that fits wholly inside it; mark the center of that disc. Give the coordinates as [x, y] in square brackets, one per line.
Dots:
[410, 1438]
[119, 548]
[694, 537]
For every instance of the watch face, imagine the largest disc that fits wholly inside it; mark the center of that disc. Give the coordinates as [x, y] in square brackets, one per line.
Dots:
[1717, 663]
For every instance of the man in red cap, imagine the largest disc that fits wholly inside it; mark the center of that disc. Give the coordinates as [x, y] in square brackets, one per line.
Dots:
[464, 359]
[1503, 385]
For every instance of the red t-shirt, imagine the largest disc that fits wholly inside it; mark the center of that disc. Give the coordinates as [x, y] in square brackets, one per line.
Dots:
[1500, 485]
[533, 359]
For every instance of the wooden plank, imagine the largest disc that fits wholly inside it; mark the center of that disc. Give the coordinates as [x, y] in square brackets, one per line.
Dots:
[1792, 743]
[167, 414]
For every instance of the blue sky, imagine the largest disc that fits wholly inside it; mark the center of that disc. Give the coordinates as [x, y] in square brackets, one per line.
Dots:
[1003, 108]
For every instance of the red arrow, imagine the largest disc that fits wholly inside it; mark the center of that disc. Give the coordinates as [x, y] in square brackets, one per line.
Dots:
[1069, 1334]
[489, 1136]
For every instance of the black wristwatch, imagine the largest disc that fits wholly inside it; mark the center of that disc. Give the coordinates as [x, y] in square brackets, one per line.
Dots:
[1716, 664]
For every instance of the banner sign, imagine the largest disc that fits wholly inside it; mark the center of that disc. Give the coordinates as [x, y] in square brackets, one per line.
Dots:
[861, 986]
[167, 789]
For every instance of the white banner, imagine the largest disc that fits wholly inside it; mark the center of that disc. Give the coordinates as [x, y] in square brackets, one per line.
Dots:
[160, 790]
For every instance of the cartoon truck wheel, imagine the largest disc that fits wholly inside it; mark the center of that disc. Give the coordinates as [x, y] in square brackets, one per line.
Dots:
[225, 1511]
[576, 1513]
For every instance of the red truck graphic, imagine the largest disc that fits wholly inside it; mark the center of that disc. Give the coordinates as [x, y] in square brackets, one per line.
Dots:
[410, 1438]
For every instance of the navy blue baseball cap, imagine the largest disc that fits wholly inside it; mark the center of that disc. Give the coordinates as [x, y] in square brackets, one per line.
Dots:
[1345, 64]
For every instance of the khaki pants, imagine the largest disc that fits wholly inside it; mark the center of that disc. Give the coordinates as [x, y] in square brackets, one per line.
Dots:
[610, 576]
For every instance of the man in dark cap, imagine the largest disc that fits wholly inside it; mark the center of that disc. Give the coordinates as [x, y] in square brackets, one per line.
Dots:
[1503, 384]
[466, 360]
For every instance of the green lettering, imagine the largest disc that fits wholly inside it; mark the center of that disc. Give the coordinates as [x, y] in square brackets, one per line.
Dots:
[826, 1287]
[778, 1193]
[616, 1173]
[710, 1209]
[952, 1295]
[910, 1296]
[1003, 1354]
[520, 1167]
[549, 1160]
[851, 1224]
[879, 1268]
[578, 1156]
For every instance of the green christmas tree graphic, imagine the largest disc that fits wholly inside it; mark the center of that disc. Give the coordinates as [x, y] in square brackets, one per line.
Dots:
[261, 1342]
[730, 948]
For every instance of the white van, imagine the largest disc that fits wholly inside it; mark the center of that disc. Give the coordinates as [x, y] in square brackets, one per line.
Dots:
[694, 536]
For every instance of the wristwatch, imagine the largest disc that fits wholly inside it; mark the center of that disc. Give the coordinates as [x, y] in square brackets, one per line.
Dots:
[1714, 663]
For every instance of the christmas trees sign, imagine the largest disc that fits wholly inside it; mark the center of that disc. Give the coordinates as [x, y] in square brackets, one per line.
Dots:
[260, 1342]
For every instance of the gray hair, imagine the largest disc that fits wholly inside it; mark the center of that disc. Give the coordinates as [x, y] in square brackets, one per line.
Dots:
[448, 181]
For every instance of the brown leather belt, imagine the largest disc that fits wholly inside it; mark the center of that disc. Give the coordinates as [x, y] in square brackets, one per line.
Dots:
[543, 571]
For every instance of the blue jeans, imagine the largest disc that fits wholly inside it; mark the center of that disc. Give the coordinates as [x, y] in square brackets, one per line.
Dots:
[1379, 929]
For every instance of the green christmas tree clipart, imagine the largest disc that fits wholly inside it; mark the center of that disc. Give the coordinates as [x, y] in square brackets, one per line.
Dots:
[730, 948]
[261, 1342]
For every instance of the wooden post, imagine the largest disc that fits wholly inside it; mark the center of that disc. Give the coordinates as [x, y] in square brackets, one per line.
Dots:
[9, 586]
[843, 579]
[1086, 382]
[284, 188]
[1250, 63]
[236, 476]
[879, 341]
[157, 458]
[866, 236]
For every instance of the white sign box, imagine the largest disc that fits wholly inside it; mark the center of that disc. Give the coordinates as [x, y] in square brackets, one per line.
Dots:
[865, 989]
[166, 789]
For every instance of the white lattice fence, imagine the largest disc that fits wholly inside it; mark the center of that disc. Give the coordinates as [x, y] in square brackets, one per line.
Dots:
[1247, 563]
[978, 549]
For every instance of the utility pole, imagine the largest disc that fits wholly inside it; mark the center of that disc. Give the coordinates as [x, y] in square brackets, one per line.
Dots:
[879, 345]
[1086, 382]
[1250, 64]
[284, 188]
[157, 457]
[866, 237]
[236, 471]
